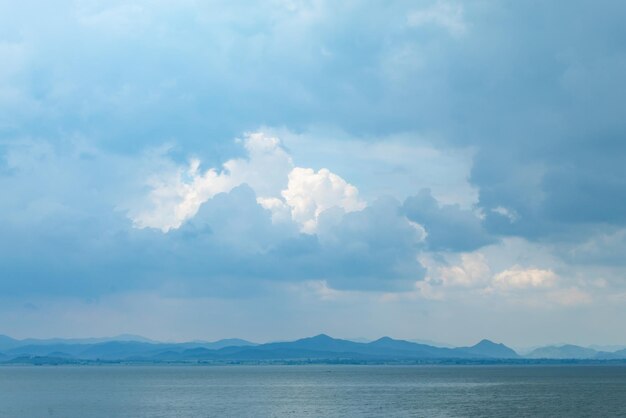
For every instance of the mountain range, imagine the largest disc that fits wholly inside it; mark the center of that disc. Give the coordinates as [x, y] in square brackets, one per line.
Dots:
[320, 348]
[569, 351]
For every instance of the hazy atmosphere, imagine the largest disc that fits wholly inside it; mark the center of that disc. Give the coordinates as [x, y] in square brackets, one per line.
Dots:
[429, 170]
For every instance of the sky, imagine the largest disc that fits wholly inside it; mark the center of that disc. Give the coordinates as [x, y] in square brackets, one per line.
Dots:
[270, 170]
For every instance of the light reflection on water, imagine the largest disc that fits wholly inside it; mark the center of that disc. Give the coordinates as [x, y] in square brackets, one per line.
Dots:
[308, 391]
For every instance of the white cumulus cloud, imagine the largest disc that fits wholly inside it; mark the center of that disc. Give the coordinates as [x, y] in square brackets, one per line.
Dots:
[519, 278]
[472, 271]
[176, 195]
[265, 169]
[309, 193]
[291, 193]
[471, 275]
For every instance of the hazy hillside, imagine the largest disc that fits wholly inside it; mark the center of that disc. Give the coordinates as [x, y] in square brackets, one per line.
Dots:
[320, 347]
[567, 351]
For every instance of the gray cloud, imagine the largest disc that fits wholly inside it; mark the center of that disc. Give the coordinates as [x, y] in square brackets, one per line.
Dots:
[229, 246]
[530, 92]
[449, 227]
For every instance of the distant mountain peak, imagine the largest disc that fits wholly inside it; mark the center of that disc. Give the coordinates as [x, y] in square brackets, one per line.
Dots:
[487, 343]
[384, 339]
[565, 351]
[320, 337]
[489, 348]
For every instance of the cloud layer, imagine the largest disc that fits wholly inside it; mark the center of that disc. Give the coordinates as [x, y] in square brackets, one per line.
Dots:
[433, 158]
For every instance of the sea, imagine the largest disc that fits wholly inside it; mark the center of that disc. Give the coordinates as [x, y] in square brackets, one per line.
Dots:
[313, 391]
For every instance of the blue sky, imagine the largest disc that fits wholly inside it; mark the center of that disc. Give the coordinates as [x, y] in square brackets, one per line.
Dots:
[441, 170]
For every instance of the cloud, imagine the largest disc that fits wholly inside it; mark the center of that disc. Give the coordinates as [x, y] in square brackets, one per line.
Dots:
[176, 194]
[268, 169]
[604, 248]
[391, 100]
[309, 193]
[398, 165]
[519, 278]
[471, 276]
[376, 247]
[473, 271]
[234, 238]
[446, 14]
[449, 227]
[507, 213]
[228, 244]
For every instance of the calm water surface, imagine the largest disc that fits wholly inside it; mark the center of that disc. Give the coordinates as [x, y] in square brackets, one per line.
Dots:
[312, 391]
